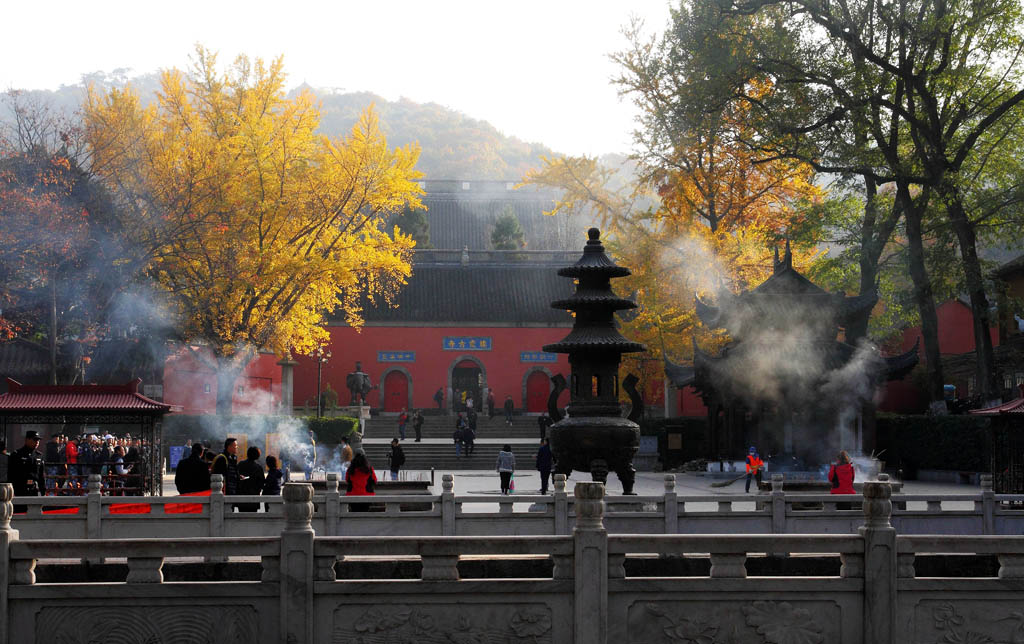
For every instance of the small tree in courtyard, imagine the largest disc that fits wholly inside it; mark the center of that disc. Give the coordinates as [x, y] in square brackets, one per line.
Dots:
[507, 233]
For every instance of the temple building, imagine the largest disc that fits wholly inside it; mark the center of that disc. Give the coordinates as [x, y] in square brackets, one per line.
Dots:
[785, 381]
[470, 318]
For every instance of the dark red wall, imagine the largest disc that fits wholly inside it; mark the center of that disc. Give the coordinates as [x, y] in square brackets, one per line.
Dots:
[186, 381]
[505, 371]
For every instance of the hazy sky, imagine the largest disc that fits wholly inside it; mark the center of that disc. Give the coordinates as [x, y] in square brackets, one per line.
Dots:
[537, 70]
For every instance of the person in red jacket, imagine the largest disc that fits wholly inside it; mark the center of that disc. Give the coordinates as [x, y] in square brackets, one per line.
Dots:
[754, 467]
[841, 475]
[361, 481]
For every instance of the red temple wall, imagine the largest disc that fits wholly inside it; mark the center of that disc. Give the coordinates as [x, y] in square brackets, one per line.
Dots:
[428, 370]
[193, 385]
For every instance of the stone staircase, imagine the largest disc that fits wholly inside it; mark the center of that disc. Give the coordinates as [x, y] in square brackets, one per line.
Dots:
[523, 427]
[438, 451]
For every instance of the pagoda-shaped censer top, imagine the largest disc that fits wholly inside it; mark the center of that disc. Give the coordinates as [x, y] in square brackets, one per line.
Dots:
[594, 437]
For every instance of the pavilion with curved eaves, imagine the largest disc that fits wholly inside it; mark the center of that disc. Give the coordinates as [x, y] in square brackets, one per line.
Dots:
[785, 381]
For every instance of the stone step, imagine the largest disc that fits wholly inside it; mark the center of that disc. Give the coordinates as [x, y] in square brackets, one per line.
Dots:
[496, 428]
[442, 457]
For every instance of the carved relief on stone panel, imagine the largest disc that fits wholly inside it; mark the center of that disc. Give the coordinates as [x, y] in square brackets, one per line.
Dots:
[134, 624]
[969, 622]
[757, 622]
[442, 624]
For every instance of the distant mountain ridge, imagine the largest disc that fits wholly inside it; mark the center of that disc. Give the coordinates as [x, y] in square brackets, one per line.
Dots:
[453, 145]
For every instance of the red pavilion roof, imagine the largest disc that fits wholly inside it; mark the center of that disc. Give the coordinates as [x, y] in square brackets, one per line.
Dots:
[78, 398]
[1012, 407]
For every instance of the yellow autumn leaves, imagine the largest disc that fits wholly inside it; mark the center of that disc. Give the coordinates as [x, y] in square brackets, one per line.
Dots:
[254, 224]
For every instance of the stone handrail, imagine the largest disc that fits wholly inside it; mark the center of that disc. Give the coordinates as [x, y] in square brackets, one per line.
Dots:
[588, 598]
[95, 516]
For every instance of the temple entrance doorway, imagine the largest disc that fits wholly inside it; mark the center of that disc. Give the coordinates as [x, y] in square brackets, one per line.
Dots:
[396, 392]
[537, 390]
[467, 376]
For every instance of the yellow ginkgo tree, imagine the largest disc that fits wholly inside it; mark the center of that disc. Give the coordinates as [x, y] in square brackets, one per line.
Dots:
[253, 224]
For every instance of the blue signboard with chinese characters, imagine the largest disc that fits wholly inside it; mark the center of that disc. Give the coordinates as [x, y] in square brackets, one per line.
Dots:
[537, 356]
[465, 343]
[396, 356]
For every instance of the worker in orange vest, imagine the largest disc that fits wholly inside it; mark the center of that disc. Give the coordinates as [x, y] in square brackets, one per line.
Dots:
[754, 467]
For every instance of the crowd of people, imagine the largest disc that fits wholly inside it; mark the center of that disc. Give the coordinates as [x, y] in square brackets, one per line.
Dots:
[63, 466]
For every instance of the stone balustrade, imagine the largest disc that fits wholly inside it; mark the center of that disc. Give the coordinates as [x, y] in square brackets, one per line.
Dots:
[450, 514]
[589, 596]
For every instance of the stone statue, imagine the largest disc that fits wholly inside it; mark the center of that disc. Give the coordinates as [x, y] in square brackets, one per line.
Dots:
[359, 385]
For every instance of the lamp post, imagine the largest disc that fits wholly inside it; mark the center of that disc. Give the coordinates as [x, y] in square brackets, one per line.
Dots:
[321, 356]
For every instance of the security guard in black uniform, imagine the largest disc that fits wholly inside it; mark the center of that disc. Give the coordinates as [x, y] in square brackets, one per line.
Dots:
[25, 470]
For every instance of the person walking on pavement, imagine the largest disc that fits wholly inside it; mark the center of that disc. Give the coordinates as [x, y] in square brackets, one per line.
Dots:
[417, 424]
[25, 469]
[506, 465]
[403, 418]
[754, 467]
[396, 459]
[509, 408]
[544, 463]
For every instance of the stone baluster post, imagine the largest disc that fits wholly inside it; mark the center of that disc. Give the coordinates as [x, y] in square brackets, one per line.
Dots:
[216, 508]
[7, 535]
[94, 513]
[297, 565]
[590, 566]
[216, 505]
[332, 505]
[988, 505]
[879, 564]
[561, 505]
[448, 507]
[671, 505]
[93, 508]
[778, 505]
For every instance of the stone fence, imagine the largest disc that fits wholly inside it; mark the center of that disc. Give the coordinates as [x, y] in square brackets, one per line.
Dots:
[304, 596]
[103, 517]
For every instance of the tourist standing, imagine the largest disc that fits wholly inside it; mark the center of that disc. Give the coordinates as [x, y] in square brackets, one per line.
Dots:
[490, 406]
[226, 464]
[417, 424]
[439, 398]
[506, 465]
[360, 481]
[459, 436]
[272, 482]
[250, 478]
[192, 474]
[120, 472]
[469, 403]
[403, 418]
[471, 425]
[25, 469]
[71, 456]
[754, 467]
[509, 408]
[841, 475]
[543, 422]
[544, 463]
[396, 459]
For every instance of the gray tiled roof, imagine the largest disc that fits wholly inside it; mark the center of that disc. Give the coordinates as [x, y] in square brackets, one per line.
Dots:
[505, 293]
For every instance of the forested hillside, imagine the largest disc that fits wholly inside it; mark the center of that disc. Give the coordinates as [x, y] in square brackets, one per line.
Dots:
[453, 145]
